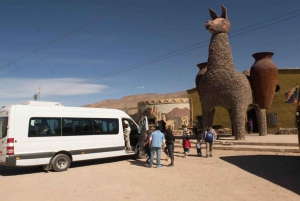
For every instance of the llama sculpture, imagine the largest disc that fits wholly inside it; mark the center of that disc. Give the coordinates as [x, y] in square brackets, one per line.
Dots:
[222, 85]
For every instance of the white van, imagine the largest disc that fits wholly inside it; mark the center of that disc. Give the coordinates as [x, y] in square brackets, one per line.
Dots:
[49, 134]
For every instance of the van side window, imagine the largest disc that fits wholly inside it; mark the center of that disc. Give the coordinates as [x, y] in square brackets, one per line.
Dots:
[77, 126]
[3, 127]
[104, 126]
[44, 127]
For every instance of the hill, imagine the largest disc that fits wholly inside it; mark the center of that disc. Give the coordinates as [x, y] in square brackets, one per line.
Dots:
[132, 100]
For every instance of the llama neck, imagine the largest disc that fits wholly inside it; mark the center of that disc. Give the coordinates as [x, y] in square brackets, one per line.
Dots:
[220, 55]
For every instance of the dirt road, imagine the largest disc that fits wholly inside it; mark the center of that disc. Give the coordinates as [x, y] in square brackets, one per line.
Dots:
[229, 175]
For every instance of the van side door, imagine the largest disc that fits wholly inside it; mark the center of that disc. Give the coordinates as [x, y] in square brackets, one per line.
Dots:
[3, 138]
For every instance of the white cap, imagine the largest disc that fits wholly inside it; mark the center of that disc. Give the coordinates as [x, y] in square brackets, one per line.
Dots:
[125, 122]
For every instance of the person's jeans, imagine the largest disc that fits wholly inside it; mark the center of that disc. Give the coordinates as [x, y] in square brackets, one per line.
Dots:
[209, 148]
[199, 151]
[186, 150]
[250, 129]
[158, 153]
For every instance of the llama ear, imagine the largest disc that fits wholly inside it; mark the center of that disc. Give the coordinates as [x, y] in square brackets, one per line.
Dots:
[213, 14]
[224, 12]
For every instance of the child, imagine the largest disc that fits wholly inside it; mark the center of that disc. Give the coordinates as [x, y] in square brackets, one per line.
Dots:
[187, 146]
[183, 140]
[185, 133]
[198, 146]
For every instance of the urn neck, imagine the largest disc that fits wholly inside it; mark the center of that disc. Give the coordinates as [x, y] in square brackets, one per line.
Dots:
[262, 55]
[202, 65]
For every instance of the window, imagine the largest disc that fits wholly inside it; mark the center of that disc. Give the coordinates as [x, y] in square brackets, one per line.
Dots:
[3, 127]
[44, 127]
[106, 126]
[77, 126]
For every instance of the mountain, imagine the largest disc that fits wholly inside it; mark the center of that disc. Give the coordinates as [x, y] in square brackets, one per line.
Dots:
[132, 100]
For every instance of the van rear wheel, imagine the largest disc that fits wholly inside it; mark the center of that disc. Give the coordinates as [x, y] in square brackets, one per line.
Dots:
[61, 162]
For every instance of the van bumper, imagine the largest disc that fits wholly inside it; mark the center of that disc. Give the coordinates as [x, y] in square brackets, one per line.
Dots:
[10, 161]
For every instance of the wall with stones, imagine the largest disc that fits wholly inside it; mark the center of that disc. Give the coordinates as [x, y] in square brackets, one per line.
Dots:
[285, 112]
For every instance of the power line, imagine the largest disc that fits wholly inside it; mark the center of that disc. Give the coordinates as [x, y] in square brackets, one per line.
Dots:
[280, 16]
[69, 33]
[265, 25]
[162, 57]
[168, 55]
[103, 33]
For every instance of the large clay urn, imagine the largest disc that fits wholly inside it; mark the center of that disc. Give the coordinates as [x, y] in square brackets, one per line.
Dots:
[264, 79]
[202, 70]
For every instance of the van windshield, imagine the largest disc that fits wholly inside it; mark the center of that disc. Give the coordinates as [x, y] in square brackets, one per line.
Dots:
[3, 127]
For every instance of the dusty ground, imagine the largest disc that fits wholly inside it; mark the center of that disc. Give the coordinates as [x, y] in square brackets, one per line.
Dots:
[229, 175]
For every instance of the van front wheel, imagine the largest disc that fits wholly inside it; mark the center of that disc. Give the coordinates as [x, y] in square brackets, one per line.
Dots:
[61, 162]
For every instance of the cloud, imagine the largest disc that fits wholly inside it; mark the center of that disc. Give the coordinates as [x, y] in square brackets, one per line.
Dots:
[26, 87]
[140, 87]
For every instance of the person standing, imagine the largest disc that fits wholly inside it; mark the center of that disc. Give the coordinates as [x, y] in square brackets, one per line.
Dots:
[186, 132]
[195, 129]
[157, 139]
[170, 139]
[163, 124]
[147, 146]
[198, 147]
[250, 126]
[210, 136]
[127, 131]
[143, 131]
[187, 146]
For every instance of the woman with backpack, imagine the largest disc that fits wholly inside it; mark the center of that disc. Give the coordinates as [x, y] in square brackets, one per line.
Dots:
[210, 136]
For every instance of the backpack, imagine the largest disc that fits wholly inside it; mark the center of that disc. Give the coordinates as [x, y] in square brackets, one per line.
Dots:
[209, 136]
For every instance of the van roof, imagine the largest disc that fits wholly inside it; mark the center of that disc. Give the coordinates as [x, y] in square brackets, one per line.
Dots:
[41, 103]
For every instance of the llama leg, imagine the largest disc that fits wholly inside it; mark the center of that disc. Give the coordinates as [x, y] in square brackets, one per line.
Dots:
[238, 116]
[261, 120]
[231, 122]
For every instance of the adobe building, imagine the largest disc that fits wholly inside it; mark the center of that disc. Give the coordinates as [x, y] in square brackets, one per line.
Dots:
[280, 117]
[175, 112]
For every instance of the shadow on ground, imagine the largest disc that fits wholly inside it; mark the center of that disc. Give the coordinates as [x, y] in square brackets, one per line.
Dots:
[138, 163]
[13, 171]
[281, 170]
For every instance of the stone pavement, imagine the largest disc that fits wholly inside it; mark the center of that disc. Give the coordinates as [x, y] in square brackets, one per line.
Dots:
[253, 142]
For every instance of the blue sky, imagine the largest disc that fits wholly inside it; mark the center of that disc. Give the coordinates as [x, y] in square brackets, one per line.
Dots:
[86, 51]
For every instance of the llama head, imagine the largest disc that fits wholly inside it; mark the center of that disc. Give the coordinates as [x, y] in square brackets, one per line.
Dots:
[218, 24]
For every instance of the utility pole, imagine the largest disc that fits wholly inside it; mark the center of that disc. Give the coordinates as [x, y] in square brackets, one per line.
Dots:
[37, 94]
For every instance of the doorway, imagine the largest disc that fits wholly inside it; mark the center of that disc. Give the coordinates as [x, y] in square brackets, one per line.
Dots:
[251, 114]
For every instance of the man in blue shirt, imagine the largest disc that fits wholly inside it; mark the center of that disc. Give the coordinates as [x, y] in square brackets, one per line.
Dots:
[157, 139]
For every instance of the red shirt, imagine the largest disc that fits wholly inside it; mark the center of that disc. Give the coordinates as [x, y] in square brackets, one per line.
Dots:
[187, 144]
